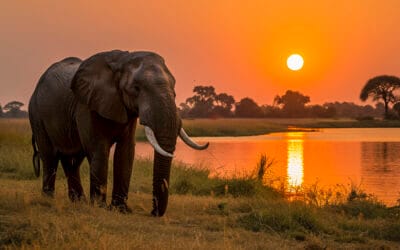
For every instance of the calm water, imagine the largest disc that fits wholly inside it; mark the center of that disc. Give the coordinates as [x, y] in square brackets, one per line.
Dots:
[366, 157]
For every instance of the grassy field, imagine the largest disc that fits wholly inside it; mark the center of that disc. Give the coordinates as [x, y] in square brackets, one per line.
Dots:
[203, 212]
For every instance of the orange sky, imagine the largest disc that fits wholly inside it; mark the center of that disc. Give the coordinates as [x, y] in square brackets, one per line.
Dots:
[238, 47]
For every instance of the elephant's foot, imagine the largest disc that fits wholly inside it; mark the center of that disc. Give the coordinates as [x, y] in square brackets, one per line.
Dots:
[99, 201]
[48, 192]
[159, 208]
[76, 196]
[154, 212]
[120, 206]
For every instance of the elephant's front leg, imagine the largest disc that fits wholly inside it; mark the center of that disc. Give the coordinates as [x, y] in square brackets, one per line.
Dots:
[123, 161]
[98, 161]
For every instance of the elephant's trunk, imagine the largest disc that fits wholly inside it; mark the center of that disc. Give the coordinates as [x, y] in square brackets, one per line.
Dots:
[161, 168]
[162, 131]
[161, 173]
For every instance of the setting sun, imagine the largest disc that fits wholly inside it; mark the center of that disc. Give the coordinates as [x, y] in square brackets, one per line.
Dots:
[295, 62]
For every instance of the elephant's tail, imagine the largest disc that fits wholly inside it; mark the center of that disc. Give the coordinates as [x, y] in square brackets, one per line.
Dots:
[35, 158]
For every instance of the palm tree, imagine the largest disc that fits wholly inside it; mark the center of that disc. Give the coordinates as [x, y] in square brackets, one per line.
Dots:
[381, 87]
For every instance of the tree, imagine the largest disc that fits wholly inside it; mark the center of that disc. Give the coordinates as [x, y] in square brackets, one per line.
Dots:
[1, 111]
[183, 110]
[381, 88]
[271, 111]
[207, 103]
[247, 107]
[224, 104]
[293, 103]
[202, 102]
[14, 109]
[324, 111]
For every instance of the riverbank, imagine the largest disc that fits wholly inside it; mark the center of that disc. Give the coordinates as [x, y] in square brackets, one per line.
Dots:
[248, 126]
[203, 212]
[241, 126]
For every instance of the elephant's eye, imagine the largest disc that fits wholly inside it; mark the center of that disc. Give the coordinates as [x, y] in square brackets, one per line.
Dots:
[136, 88]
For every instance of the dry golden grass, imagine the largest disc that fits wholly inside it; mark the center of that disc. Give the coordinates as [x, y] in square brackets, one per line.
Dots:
[29, 220]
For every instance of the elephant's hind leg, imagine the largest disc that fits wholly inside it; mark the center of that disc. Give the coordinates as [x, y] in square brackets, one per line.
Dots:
[71, 166]
[49, 157]
[50, 163]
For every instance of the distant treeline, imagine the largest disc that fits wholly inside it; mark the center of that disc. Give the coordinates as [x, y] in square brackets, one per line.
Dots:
[383, 89]
[13, 110]
[206, 103]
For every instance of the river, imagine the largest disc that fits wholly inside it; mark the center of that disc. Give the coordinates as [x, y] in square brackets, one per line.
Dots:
[365, 157]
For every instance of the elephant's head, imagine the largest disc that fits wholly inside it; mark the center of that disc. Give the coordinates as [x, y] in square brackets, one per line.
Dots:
[119, 86]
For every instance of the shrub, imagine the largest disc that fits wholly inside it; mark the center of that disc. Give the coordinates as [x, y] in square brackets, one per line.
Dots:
[284, 217]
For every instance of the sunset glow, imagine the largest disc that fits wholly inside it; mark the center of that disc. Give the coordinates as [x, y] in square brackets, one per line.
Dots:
[227, 44]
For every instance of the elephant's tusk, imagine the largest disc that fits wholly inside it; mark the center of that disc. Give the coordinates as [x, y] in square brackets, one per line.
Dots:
[153, 141]
[189, 142]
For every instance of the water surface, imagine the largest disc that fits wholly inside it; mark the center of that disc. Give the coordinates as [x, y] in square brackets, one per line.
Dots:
[365, 157]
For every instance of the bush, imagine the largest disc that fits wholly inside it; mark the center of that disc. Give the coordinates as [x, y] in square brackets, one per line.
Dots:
[362, 208]
[283, 217]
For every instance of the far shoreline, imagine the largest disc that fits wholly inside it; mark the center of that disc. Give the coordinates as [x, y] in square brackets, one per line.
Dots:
[234, 127]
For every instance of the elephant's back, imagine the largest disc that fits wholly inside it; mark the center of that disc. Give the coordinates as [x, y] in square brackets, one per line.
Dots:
[55, 82]
[52, 105]
[53, 88]
[59, 74]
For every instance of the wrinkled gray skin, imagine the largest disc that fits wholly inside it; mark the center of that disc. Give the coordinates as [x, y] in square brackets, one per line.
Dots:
[81, 108]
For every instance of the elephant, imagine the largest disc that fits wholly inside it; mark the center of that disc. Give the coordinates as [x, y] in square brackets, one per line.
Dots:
[81, 108]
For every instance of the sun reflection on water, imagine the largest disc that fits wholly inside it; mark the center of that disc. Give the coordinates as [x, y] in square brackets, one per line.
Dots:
[295, 161]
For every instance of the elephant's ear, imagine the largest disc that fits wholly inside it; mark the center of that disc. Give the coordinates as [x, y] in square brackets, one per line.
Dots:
[95, 83]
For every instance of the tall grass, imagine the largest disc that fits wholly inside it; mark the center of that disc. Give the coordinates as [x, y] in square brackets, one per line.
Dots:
[15, 149]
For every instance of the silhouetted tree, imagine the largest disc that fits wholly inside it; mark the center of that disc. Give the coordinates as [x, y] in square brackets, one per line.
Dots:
[271, 111]
[293, 103]
[224, 104]
[13, 109]
[1, 111]
[207, 103]
[201, 104]
[247, 107]
[184, 110]
[324, 111]
[381, 88]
